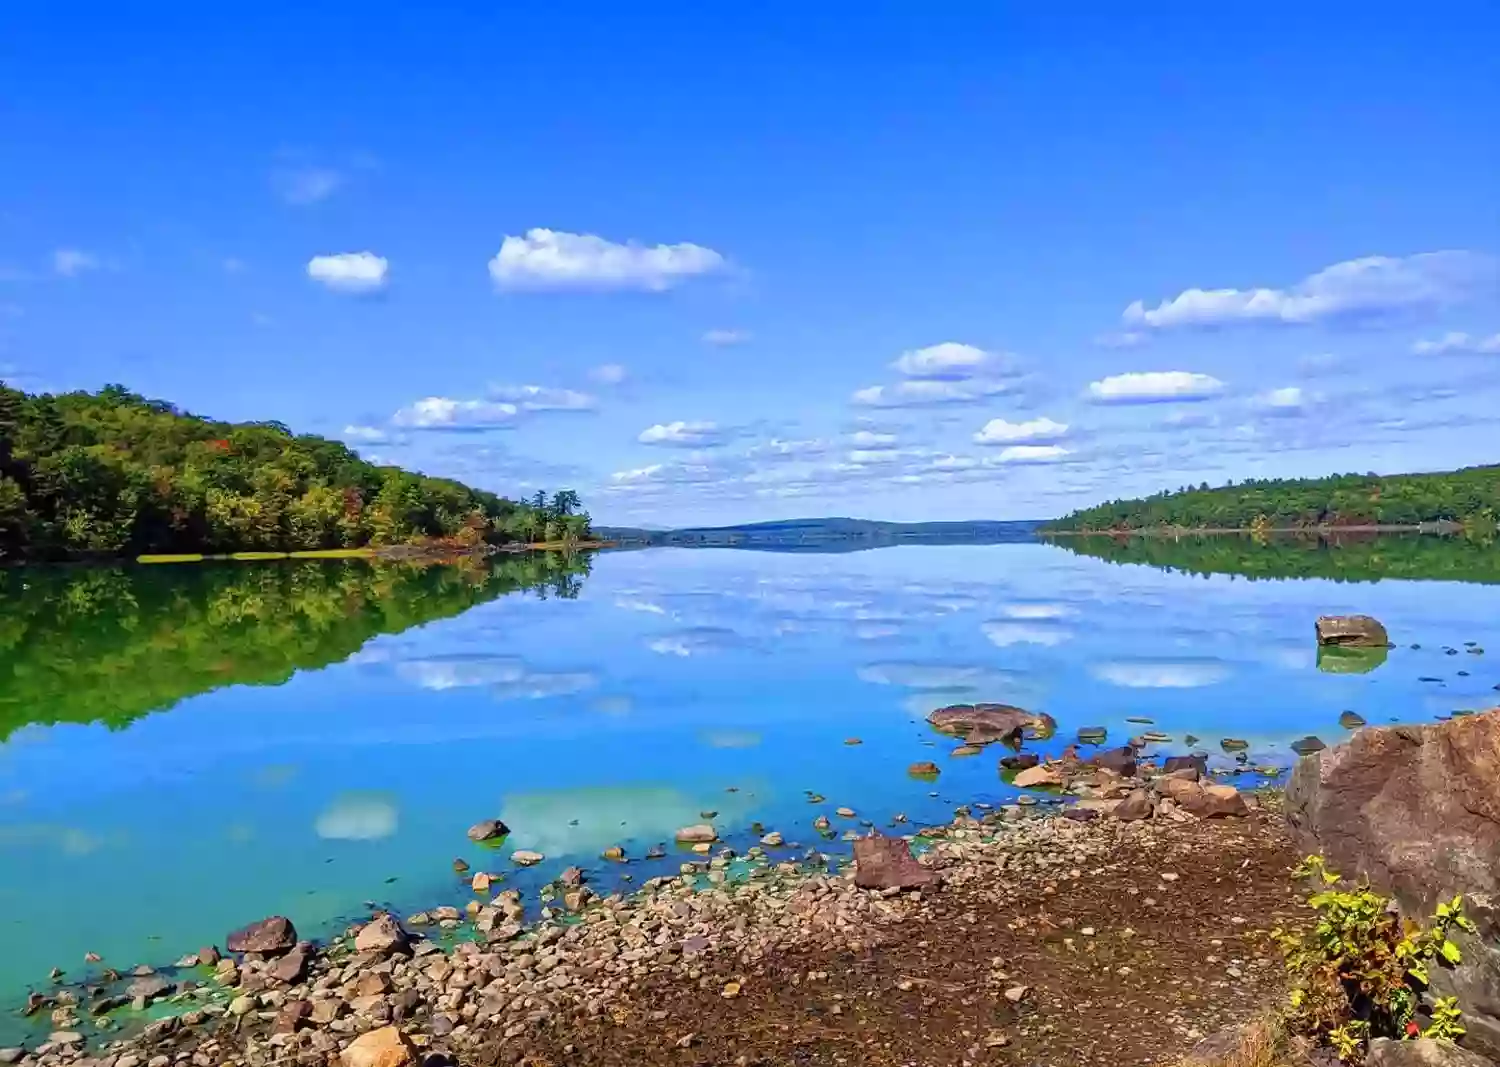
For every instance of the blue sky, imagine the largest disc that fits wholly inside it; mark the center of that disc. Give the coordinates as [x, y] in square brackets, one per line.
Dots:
[707, 264]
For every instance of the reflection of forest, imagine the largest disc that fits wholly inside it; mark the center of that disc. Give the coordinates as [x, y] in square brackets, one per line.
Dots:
[110, 644]
[1345, 558]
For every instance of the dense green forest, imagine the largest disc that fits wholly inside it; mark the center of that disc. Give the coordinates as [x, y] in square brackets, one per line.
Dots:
[1344, 558]
[1470, 496]
[113, 473]
[109, 644]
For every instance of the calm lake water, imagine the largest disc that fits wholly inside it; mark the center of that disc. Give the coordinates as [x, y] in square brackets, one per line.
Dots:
[183, 750]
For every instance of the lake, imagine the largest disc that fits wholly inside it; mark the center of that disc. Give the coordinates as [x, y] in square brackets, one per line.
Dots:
[186, 749]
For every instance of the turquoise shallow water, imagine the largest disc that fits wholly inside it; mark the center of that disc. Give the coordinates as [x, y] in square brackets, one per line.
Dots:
[617, 716]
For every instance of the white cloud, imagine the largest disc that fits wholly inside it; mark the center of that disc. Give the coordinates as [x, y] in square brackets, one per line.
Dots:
[350, 272]
[683, 434]
[1032, 454]
[776, 448]
[543, 398]
[947, 361]
[1456, 342]
[1149, 387]
[552, 259]
[1287, 400]
[877, 455]
[1161, 674]
[367, 435]
[306, 185]
[871, 439]
[71, 262]
[441, 413]
[1036, 609]
[608, 374]
[725, 338]
[922, 392]
[999, 431]
[665, 474]
[1370, 287]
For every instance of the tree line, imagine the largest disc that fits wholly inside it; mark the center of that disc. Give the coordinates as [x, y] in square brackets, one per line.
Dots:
[112, 473]
[1470, 497]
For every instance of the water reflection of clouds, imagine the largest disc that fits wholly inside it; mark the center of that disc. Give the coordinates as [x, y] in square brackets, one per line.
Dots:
[1162, 673]
[590, 819]
[358, 816]
[539, 685]
[1003, 634]
[697, 641]
[730, 738]
[460, 670]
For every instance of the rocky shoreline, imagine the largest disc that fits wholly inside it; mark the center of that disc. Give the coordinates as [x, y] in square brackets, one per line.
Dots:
[479, 984]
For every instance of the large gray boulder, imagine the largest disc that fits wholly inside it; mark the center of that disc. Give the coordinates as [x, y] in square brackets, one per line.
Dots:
[984, 723]
[1416, 810]
[1357, 631]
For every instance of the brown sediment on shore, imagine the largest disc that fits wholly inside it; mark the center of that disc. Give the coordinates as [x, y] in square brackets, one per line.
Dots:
[1042, 939]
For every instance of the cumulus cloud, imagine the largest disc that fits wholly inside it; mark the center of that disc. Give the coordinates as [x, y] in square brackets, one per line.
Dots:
[608, 374]
[1001, 432]
[366, 435]
[442, 413]
[71, 262]
[1152, 387]
[1458, 343]
[1366, 288]
[926, 392]
[350, 272]
[543, 398]
[1289, 400]
[949, 361]
[305, 185]
[681, 434]
[725, 338]
[553, 259]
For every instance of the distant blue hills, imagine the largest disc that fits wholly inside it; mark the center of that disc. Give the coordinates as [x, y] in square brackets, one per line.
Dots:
[825, 535]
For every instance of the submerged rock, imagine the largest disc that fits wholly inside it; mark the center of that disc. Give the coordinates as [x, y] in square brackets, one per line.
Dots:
[1000, 720]
[526, 858]
[1351, 720]
[267, 937]
[1358, 631]
[488, 830]
[924, 769]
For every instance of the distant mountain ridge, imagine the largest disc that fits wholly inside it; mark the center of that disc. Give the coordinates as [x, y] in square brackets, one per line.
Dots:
[835, 534]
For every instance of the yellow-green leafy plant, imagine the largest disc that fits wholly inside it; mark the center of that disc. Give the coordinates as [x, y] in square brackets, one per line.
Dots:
[1361, 969]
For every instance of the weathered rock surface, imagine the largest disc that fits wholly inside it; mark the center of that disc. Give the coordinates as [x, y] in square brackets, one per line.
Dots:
[882, 862]
[702, 834]
[1416, 809]
[1040, 775]
[1120, 760]
[1135, 807]
[1421, 1052]
[382, 935]
[386, 1047]
[267, 937]
[488, 830]
[1359, 631]
[992, 721]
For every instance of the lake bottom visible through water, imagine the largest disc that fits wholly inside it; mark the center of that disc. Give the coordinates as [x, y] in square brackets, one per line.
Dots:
[185, 751]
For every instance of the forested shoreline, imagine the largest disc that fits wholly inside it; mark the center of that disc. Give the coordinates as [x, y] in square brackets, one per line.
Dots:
[1467, 498]
[113, 474]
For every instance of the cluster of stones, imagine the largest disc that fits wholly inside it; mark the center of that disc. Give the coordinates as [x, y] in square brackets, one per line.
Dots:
[383, 995]
[1117, 783]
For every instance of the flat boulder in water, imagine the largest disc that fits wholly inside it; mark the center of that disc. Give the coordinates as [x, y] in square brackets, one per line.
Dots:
[269, 936]
[996, 721]
[1358, 631]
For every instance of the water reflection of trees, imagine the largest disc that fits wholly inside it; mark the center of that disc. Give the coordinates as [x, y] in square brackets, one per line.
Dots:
[110, 644]
[1344, 558]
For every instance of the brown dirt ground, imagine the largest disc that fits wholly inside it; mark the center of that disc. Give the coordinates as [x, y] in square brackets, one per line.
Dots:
[1167, 963]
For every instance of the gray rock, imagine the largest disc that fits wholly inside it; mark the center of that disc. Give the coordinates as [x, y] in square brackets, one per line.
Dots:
[1356, 631]
[488, 830]
[11, 1055]
[149, 988]
[1135, 807]
[1421, 1052]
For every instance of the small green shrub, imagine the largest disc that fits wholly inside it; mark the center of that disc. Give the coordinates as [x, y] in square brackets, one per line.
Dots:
[1360, 972]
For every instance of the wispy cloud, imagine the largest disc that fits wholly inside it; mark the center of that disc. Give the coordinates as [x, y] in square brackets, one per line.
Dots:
[1372, 287]
[725, 338]
[442, 413]
[684, 434]
[1458, 343]
[543, 398]
[609, 374]
[301, 186]
[552, 259]
[924, 392]
[71, 262]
